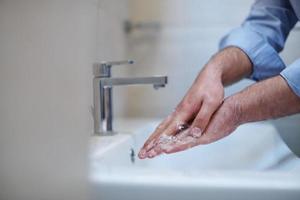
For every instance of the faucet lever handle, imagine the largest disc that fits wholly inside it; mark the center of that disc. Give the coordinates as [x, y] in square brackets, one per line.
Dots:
[103, 69]
[113, 63]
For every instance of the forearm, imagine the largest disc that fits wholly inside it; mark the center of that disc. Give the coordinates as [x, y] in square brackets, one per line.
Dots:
[230, 65]
[269, 99]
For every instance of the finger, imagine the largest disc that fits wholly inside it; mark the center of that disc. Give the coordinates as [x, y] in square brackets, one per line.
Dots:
[178, 124]
[190, 138]
[184, 145]
[183, 113]
[182, 142]
[149, 142]
[169, 142]
[153, 153]
[202, 119]
[193, 136]
[166, 142]
[157, 131]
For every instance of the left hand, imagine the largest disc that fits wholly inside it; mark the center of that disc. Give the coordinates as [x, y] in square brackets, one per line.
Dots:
[223, 122]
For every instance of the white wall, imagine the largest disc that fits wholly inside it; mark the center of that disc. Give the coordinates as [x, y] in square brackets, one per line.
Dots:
[111, 44]
[189, 35]
[47, 49]
[291, 51]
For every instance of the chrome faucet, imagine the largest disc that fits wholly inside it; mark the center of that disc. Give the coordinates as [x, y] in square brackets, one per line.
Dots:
[103, 83]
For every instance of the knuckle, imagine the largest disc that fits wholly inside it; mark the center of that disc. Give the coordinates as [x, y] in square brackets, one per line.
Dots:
[188, 102]
[211, 101]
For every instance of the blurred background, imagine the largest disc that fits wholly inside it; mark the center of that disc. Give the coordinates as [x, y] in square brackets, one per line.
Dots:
[171, 37]
[47, 49]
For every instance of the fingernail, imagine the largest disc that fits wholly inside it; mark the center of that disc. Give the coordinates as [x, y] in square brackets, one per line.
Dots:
[196, 132]
[142, 153]
[151, 154]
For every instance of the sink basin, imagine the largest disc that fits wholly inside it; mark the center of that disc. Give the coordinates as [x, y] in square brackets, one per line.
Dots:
[251, 163]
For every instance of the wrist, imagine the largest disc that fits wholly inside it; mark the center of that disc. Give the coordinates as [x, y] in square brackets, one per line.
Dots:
[230, 65]
[233, 103]
[213, 71]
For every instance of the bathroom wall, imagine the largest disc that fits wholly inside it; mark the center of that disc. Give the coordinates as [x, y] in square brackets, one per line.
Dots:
[188, 35]
[112, 45]
[47, 49]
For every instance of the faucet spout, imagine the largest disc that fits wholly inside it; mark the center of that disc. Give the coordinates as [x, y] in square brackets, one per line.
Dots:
[156, 81]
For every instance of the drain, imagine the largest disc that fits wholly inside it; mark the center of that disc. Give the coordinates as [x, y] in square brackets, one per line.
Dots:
[132, 155]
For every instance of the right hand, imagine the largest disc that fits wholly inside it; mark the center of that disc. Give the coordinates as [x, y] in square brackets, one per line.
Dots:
[194, 111]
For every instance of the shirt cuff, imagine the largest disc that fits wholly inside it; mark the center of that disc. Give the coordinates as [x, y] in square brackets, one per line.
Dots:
[292, 76]
[265, 60]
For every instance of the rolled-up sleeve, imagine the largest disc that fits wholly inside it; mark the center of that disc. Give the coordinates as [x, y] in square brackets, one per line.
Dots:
[262, 36]
[292, 76]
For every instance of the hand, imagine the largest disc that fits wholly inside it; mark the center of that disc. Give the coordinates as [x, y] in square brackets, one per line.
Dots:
[198, 105]
[267, 99]
[224, 121]
[203, 98]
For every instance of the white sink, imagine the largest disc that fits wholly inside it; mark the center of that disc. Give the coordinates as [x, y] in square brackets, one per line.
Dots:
[252, 163]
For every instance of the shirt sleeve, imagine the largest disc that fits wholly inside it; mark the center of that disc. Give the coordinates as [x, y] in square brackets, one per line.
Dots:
[292, 76]
[262, 36]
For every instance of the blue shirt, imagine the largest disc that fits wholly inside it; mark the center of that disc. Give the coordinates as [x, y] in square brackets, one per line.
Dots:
[262, 36]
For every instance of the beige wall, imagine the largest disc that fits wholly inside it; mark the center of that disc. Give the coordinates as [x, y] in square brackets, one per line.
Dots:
[189, 35]
[47, 49]
[111, 44]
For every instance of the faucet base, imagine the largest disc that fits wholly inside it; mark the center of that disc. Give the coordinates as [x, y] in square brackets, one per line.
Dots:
[106, 133]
